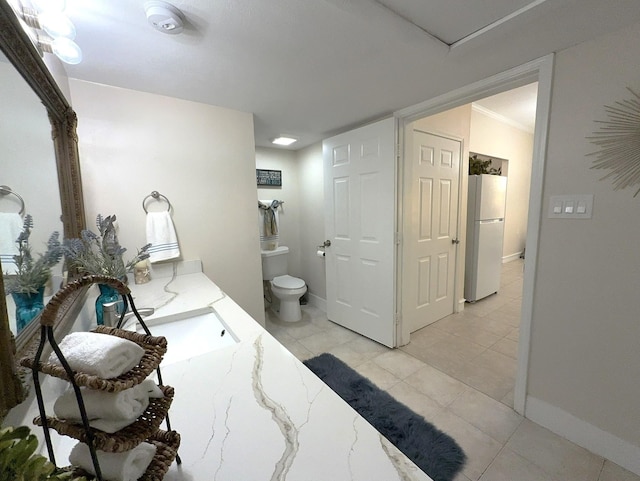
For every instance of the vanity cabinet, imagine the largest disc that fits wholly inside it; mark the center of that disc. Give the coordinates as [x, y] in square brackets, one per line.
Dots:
[145, 428]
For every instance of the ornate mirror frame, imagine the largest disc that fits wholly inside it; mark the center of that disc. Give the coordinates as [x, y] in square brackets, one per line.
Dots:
[18, 48]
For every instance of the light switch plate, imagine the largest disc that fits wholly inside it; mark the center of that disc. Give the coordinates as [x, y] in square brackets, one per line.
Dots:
[578, 206]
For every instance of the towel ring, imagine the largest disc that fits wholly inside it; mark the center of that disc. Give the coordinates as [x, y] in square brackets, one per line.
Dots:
[156, 195]
[6, 190]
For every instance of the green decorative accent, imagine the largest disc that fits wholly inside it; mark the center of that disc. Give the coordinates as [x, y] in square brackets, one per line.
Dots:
[18, 461]
[479, 166]
[618, 140]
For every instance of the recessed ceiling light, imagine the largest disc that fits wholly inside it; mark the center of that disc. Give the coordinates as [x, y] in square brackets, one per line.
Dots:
[282, 140]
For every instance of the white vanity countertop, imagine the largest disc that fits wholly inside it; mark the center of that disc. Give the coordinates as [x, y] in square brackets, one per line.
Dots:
[252, 411]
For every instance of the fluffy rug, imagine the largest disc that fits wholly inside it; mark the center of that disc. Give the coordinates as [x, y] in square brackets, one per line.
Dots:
[433, 451]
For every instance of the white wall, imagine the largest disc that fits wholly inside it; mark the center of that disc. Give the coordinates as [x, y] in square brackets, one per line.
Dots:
[584, 363]
[302, 216]
[492, 137]
[312, 233]
[289, 212]
[201, 157]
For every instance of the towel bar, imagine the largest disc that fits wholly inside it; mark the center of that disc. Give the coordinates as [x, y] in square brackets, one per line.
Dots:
[156, 195]
[6, 190]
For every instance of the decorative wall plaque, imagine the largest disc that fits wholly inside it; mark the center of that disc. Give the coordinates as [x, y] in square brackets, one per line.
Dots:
[269, 177]
[618, 140]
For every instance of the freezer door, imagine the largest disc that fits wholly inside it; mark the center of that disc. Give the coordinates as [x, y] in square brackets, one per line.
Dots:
[491, 197]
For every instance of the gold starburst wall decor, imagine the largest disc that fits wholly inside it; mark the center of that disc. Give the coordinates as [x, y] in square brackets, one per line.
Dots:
[618, 140]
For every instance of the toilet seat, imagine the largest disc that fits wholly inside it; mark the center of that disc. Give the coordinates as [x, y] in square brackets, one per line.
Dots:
[288, 282]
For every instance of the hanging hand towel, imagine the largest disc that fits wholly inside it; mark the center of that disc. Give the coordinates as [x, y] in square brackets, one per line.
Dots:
[126, 466]
[10, 228]
[268, 224]
[161, 234]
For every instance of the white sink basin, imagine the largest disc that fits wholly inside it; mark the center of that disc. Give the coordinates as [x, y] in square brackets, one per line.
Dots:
[190, 334]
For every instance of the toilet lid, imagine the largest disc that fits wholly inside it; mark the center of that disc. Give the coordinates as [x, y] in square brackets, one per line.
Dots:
[288, 282]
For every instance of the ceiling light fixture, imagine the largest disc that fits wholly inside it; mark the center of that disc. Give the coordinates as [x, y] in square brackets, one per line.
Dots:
[60, 32]
[284, 140]
[164, 17]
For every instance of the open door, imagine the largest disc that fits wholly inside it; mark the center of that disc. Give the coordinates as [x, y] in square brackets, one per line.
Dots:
[360, 206]
[432, 179]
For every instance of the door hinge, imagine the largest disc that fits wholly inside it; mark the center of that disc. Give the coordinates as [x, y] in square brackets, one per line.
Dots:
[398, 238]
[398, 318]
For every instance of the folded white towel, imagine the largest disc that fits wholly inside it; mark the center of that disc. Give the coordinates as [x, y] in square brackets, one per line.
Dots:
[126, 466]
[107, 411]
[10, 228]
[99, 354]
[161, 234]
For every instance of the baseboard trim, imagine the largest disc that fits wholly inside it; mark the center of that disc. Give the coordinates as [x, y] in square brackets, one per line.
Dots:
[317, 301]
[511, 257]
[584, 434]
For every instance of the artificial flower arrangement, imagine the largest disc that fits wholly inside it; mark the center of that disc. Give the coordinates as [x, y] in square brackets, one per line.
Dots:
[101, 254]
[32, 274]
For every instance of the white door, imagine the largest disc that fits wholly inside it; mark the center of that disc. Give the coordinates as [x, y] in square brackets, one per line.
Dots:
[432, 179]
[360, 205]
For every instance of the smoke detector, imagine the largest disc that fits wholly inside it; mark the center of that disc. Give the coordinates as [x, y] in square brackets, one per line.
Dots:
[164, 17]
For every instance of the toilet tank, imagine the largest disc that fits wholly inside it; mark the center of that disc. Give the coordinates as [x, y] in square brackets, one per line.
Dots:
[274, 263]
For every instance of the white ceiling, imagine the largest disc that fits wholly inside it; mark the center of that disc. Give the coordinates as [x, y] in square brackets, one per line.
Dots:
[517, 106]
[311, 68]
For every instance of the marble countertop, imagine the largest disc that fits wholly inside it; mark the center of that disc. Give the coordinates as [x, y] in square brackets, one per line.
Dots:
[252, 411]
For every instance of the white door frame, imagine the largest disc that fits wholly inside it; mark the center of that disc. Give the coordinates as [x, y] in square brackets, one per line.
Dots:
[540, 70]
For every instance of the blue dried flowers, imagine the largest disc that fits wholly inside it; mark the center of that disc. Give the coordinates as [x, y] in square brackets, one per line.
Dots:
[101, 254]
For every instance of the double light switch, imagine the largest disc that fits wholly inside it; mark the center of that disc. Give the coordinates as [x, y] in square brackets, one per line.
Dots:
[571, 206]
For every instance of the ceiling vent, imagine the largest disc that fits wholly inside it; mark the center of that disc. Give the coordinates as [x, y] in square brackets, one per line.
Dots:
[164, 17]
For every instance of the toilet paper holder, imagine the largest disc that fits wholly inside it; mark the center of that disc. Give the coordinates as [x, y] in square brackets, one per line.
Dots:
[321, 248]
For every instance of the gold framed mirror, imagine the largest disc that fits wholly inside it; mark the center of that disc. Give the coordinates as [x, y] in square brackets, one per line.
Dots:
[21, 53]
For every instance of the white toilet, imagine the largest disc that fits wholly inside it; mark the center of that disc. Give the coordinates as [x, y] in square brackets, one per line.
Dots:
[286, 288]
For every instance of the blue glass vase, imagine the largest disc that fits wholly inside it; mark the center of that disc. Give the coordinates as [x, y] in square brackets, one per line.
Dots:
[28, 306]
[107, 294]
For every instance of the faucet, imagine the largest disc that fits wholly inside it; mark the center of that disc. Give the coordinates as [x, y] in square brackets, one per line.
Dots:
[111, 316]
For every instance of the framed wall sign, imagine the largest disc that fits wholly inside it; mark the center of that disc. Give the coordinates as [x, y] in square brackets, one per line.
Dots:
[269, 177]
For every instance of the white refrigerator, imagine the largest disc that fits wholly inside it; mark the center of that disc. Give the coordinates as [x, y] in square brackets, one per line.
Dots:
[485, 232]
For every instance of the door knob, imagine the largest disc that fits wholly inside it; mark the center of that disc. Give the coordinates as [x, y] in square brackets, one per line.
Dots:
[327, 243]
[455, 241]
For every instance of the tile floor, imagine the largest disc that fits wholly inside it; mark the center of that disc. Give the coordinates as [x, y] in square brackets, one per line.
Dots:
[459, 374]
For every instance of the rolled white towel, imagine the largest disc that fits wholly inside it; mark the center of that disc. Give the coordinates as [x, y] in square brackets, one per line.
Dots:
[109, 412]
[126, 466]
[99, 354]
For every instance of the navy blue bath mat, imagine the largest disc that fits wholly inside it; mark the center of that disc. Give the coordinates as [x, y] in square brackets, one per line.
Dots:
[433, 451]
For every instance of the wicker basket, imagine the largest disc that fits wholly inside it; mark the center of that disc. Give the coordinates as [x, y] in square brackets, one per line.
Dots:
[166, 443]
[154, 349]
[125, 439]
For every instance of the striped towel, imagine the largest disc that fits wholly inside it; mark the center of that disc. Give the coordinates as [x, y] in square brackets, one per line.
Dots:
[161, 234]
[10, 228]
[268, 224]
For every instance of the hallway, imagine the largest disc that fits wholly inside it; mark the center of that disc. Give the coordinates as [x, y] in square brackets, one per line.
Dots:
[459, 374]
[478, 346]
